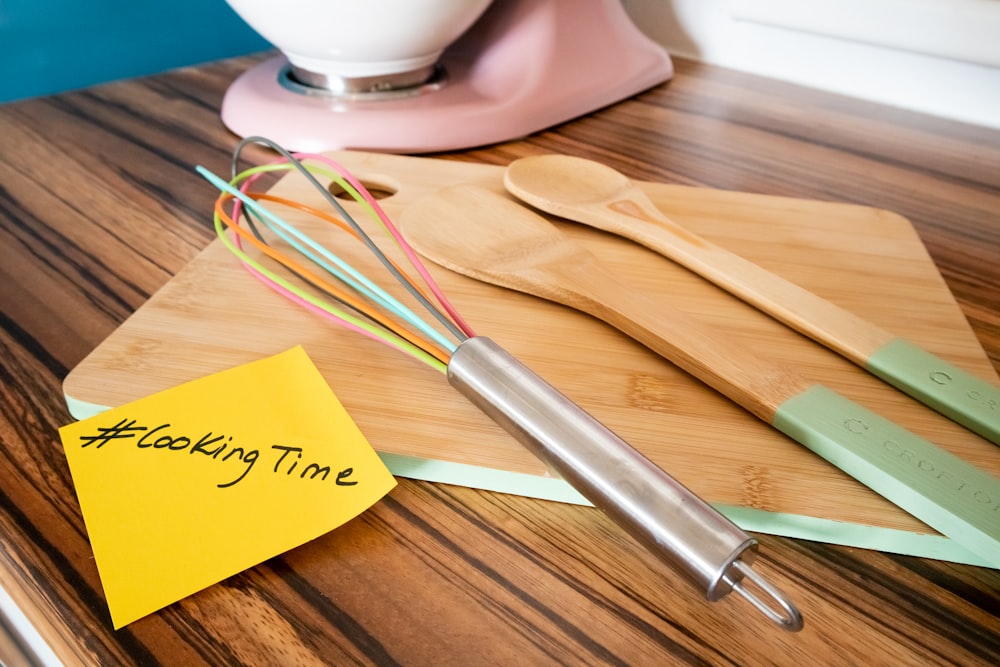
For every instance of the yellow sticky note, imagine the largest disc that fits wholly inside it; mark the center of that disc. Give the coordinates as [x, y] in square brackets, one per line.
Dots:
[192, 485]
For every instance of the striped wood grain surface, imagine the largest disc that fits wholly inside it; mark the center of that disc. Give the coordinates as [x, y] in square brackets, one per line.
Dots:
[100, 206]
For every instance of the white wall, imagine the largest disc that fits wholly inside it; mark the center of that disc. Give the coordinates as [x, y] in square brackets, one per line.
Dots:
[940, 57]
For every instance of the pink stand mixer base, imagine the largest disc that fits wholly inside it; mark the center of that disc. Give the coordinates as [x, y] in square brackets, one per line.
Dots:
[525, 66]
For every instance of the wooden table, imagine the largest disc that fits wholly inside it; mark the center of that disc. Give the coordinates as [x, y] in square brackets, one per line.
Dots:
[433, 574]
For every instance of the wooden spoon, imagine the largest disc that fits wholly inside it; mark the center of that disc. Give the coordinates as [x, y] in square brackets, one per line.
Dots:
[486, 236]
[595, 194]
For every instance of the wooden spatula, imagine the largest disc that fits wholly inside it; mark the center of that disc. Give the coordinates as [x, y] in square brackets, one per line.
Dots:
[487, 236]
[595, 194]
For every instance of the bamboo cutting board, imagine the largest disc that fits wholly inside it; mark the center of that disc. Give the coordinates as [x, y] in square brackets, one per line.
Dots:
[213, 316]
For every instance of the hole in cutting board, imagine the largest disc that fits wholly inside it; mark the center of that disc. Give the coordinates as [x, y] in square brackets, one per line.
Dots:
[379, 190]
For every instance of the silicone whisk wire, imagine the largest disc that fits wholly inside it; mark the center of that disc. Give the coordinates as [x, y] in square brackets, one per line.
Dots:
[357, 191]
[332, 264]
[351, 299]
[381, 330]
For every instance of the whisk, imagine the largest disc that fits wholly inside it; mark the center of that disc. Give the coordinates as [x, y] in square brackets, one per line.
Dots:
[679, 527]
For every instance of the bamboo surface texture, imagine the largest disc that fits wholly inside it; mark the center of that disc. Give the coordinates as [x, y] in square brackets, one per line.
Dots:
[209, 317]
[100, 208]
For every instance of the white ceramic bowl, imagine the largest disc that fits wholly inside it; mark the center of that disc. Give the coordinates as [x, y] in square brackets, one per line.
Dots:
[360, 38]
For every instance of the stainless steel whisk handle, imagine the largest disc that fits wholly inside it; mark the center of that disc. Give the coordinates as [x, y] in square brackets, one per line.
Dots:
[678, 526]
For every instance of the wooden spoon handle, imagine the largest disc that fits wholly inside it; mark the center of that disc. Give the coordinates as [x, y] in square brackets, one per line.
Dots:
[636, 218]
[721, 362]
[935, 486]
[962, 397]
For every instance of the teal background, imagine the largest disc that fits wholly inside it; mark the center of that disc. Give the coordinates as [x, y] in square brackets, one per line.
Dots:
[48, 46]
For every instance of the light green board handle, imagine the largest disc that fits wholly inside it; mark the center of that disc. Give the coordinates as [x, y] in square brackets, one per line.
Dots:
[952, 496]
[964, 398]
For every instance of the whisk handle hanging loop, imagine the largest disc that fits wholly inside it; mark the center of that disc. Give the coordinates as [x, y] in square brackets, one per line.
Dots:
[657, 510]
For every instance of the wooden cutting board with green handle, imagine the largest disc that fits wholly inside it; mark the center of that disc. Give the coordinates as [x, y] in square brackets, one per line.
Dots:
[213, 316]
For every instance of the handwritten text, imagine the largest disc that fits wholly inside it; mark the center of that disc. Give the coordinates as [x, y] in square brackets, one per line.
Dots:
[220, 448]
